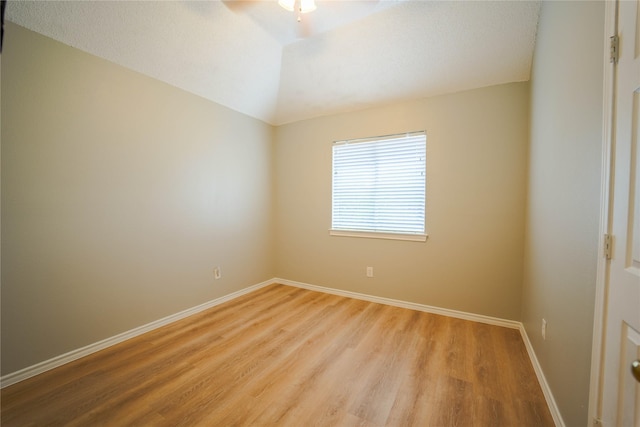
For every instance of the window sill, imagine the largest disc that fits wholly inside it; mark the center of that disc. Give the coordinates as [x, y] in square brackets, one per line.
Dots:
[375, 235]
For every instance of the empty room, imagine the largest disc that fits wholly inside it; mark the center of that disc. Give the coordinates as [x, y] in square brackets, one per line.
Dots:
[333, 213]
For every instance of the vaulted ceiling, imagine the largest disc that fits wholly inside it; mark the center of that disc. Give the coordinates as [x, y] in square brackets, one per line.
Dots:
[254, 57]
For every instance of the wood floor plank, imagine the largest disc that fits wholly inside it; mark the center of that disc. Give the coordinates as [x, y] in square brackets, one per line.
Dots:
[283, 356]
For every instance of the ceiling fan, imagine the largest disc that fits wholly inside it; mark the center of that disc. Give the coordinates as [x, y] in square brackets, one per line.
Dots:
[290, 20]
[300, 7]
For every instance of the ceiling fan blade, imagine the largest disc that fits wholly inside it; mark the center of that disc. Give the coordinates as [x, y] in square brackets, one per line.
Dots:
[238, 6]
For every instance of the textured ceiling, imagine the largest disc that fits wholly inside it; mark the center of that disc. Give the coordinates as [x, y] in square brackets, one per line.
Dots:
[253, 57]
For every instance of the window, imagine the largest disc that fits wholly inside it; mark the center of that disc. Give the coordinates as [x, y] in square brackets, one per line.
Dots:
[379, 187]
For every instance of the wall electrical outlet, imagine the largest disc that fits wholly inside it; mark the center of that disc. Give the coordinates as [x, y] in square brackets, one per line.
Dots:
[217, 273]
[544, 329]
[369, 271]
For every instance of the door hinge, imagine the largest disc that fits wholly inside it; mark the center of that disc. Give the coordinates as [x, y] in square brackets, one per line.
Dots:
[597, 422]
[614, 49]
[608, 243]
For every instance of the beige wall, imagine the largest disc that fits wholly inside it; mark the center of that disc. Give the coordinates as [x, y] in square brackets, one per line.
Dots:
[476, 161]
[119, 196]
[563, 204]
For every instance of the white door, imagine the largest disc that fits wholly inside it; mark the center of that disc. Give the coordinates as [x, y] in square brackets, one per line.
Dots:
[621, 391]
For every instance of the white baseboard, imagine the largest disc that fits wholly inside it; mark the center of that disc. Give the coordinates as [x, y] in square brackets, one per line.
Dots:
[47, 365]
[63, 359]
[546, 390]
[405, 304]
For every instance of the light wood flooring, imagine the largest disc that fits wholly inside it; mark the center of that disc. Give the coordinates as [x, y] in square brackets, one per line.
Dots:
[283, 356]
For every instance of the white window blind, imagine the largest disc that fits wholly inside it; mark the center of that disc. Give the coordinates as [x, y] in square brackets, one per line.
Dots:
[379, 185]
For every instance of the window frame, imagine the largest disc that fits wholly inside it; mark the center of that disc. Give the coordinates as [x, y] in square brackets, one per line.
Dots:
[390, 235]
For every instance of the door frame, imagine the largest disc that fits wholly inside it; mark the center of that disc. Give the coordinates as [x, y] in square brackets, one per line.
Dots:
[602, 270]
